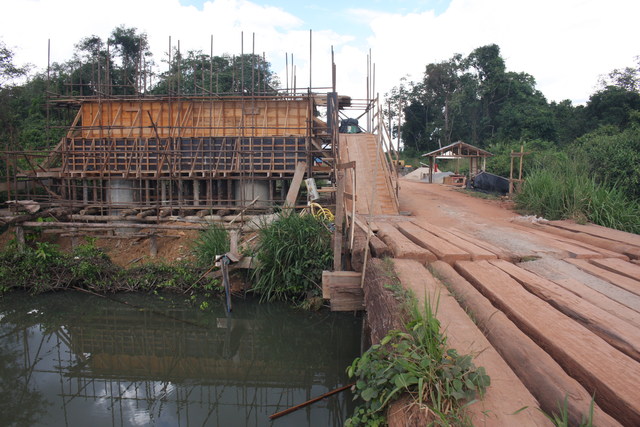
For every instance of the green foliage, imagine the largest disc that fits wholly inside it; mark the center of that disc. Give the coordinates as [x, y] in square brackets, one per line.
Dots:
[613, 157]
[290, 257]
[565, 189]
[474, 99]
[561, 417]
[44, 268]
[8, 69]
[196, 73]
[542, 152]
[211, 242]
[417, 362]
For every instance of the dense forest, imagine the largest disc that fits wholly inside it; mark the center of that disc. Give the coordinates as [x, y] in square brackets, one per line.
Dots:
[580, 154]
[120, 65]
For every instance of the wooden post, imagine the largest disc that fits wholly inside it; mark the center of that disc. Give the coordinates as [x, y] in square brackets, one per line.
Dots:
[511, 175]
[520, 172]
[292, 195]
[20, 238]
[337, 234]
[153, 245]
[233, 242]
[431, 165]
[74, 238]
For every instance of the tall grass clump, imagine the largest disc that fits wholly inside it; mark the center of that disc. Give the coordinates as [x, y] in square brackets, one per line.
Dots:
[211, 242]
[290, 257]
[565, 190]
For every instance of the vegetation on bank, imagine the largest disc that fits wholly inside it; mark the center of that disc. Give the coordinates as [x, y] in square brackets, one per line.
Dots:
[416, 361]
[42, 267]
[561, 190]
[291, 254]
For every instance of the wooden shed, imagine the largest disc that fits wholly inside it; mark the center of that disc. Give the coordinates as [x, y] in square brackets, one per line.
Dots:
[459, 150]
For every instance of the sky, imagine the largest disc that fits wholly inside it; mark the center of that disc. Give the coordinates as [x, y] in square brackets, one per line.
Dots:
[564, 44]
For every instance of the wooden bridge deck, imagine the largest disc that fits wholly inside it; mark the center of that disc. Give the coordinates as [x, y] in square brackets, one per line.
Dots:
[373, 187]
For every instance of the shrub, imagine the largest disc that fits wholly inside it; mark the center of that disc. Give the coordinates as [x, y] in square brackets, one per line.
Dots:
[211, 242]
[290, 257]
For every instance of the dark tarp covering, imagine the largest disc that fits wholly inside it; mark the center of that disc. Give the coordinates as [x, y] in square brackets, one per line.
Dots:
[491, 183]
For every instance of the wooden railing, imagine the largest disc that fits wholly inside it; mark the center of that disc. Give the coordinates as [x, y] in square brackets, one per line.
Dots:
[389, 155]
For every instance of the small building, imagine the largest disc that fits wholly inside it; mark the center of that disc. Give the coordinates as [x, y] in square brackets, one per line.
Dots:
[459, 150]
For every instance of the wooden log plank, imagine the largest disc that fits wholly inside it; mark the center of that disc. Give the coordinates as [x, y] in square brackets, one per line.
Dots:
[378, 248]
[507, 394]
[599, 231]
[618, 266]
[615, 303]
[603, 251]
[476, 252]
[582, 354]
[292, 194]
[610, 328]
[597, 244]
[567, 275]
[544, 378]
[574, 251]
[441, 248]
[357, 251]
[400, 246]
[501, 253]
[624, 282]
[345, 298]
[619, 310]
[338, 278]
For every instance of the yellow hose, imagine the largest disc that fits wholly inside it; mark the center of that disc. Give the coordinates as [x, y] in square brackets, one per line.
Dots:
[320, 212]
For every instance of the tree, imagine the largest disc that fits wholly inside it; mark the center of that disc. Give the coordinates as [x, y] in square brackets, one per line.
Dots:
[627, 78]
[476, 100]
[9, 70]
[130, 57]
[612, 106]
[199, 73]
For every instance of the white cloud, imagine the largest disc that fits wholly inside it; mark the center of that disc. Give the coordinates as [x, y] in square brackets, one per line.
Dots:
[565, 44]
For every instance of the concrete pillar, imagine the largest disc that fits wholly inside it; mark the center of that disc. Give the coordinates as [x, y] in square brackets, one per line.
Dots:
[246, 191]
[196, 192]
[85, 191]
[121, 192]
[163, 193]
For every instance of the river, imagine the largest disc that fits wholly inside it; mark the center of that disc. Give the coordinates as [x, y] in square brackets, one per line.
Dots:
[71, 359]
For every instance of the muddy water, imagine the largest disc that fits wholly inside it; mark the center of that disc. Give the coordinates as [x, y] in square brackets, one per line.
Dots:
[71, 359]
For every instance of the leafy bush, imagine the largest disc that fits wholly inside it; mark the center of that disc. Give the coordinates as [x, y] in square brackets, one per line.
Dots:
[211, 242]
[613, 157]
[44, 268]
[290, 257]
[417, 362]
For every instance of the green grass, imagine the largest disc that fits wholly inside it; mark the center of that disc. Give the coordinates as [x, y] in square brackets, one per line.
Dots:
[211, 242]
[564, 190]
[290, 257]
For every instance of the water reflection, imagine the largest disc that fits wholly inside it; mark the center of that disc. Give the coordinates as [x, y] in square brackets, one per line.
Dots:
[73, 359]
